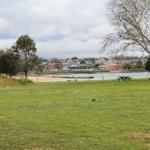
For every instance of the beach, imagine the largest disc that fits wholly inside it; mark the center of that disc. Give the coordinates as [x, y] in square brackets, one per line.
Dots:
[43, 79]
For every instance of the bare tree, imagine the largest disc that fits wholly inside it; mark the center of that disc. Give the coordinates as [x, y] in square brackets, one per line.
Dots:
[131, 19]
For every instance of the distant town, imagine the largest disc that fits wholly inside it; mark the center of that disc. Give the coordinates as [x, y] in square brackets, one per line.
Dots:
[85, 65]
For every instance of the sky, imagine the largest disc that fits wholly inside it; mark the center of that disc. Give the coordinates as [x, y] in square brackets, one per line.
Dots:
[60, 28]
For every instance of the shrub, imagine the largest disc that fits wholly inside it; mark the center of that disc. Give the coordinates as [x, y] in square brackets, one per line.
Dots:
[25, 81]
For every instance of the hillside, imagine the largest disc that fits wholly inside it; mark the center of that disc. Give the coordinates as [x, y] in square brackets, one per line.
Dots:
[7, 81]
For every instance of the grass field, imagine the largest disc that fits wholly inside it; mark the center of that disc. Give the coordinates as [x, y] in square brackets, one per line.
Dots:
[61, 116]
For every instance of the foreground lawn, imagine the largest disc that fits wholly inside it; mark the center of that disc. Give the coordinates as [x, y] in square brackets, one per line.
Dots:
[62, 116]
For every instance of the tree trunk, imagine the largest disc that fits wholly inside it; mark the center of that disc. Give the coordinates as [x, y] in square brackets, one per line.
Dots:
[26, 74]
[10, 75]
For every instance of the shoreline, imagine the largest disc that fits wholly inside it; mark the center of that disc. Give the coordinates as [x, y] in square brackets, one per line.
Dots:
[45, 79]
[83, 77]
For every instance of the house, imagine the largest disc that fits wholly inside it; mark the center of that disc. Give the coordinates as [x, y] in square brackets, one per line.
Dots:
[103, 68]
[81, 67]
[52, 67]
[114, 67]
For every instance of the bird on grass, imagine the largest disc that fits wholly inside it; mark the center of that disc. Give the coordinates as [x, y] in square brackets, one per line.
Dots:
[93, 100]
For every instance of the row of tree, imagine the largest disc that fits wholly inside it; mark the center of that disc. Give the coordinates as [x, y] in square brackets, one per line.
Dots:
[21, 57]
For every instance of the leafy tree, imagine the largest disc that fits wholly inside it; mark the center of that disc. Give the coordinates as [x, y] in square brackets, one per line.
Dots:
[9, 63]
[37, 65]
[147, 65]
[139, 65]
[25, 48]
[131, 19]
[127, 66]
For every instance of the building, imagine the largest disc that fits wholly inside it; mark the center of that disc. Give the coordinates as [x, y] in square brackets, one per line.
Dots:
[114, 67]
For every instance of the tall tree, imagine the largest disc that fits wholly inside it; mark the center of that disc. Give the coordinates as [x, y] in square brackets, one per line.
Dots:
[131, 19]
[147, 65]
[25, 48]
[9, 63]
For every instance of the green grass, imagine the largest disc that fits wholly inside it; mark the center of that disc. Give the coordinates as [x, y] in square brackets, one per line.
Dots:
[61, 116]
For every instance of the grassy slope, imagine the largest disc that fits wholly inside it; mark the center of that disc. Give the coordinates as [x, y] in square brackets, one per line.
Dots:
[61, 116]
[6, 81]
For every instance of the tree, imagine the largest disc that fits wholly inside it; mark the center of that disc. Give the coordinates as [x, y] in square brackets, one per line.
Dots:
[25, 48]
[127, 66]
[37, 67]
[9, 63]
[139, 65]
[131, 19]
[147, 65]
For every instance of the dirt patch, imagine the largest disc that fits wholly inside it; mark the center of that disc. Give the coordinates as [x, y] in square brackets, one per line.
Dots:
[148, 145]
[44, 149]
[141, 136]
[34, 149]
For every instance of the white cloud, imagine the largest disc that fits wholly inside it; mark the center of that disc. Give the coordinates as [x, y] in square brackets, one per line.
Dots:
[6, 43]
[5, 25]
[69, 47]
[60, 27]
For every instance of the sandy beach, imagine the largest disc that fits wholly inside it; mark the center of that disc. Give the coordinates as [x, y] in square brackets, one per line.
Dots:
[44, 79]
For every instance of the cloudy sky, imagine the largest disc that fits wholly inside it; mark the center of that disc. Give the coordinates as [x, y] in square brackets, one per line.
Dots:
[61, 28]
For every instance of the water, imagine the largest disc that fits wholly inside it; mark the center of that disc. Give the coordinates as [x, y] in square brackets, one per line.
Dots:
[106, 76]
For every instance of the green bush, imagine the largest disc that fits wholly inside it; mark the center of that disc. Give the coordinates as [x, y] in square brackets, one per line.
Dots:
[25, 81]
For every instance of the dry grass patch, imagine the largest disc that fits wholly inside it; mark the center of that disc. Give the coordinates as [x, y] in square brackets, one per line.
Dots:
[34, 149]
[141, 136]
